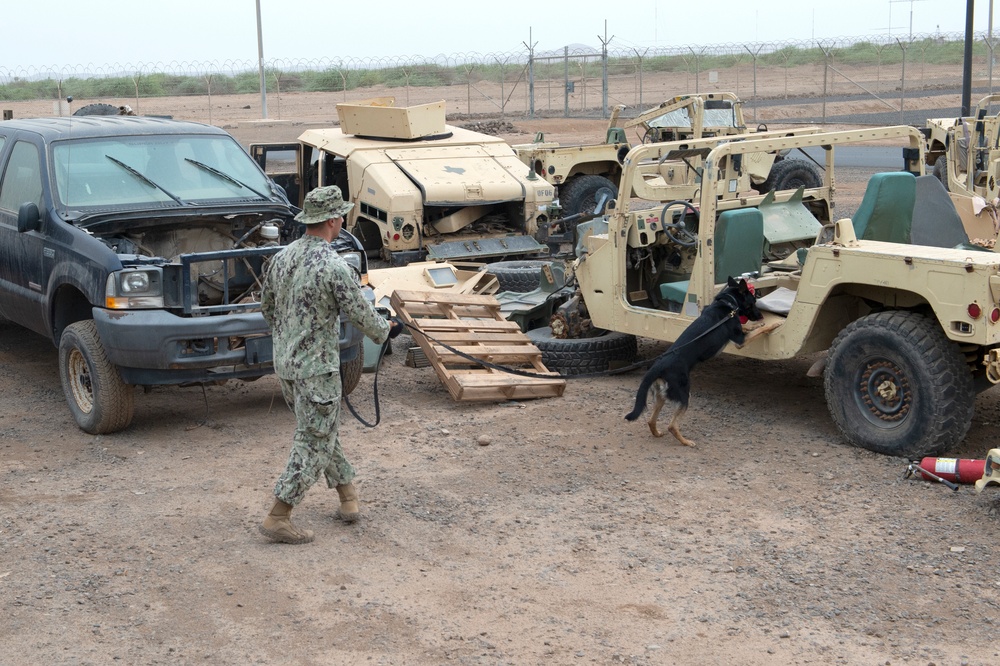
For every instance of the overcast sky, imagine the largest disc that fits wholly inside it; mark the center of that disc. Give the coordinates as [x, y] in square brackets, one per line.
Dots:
[45, 33]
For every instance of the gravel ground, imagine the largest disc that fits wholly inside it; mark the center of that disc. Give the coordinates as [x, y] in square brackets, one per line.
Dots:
[545, 531]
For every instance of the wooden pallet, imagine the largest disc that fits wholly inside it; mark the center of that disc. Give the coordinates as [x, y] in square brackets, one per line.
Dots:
[474, 325]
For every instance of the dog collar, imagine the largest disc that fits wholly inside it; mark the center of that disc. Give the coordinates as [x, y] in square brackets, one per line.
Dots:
[732, 301]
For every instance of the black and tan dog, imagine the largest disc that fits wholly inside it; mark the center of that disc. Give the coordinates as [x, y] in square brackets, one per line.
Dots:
[718, 325]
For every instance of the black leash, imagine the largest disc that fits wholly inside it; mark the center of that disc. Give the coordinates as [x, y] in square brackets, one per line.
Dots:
[501, 368]
[378, 411]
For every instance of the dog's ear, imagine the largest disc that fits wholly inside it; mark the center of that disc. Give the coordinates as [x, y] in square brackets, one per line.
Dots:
[743, 286]
[730, 281]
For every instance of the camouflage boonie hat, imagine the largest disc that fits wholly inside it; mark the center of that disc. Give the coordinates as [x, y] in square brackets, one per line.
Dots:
[323, 203]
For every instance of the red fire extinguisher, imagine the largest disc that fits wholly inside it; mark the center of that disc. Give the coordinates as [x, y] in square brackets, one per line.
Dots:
[957, 470]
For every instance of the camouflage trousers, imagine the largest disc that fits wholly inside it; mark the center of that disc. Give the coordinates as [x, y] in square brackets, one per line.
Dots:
[316, 447]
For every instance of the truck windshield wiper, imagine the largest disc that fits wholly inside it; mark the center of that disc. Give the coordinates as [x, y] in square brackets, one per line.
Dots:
[135, 172]
[225, 176]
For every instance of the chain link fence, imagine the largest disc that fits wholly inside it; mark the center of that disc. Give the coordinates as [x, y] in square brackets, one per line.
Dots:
[858, 81]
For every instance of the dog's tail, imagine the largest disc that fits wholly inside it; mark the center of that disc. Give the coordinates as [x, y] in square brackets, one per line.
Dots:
[640, 396]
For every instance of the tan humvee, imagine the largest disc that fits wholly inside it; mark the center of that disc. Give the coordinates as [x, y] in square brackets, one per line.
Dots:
[588, 175]
[965, 156]
[422, 189]
[911, 331]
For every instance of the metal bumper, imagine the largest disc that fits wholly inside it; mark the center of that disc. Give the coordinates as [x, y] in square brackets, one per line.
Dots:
[152, 347]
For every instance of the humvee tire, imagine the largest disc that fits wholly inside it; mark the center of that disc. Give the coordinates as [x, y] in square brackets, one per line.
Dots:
[578, 356]
[98, 110]
[896, 385]
[941, 170]
[518, 276]
[791, 174]
[580, 195]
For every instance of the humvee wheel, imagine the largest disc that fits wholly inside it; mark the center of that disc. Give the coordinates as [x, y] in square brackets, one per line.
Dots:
[896, 385]
[791, 174]
[518, 276]
[99, 400]
[98, 109]
[581, 194]
[941, 170]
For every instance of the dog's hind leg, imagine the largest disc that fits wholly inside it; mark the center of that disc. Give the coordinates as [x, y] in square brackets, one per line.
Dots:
[675, 430]
[660, 391]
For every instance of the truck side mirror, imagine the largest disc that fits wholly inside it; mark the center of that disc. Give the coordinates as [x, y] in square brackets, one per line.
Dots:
[28, 218]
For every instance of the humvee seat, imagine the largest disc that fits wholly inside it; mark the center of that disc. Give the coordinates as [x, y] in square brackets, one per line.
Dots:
[739, 249]
[886, 211]
[936, 222]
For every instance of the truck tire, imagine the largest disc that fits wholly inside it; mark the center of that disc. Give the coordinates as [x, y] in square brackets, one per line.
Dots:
[350, 372]
[518, 276]
[99, 400]
[791, 174]
[941, 170]
[578, 356]
[580, 195]
[895, 384]
[98, 110]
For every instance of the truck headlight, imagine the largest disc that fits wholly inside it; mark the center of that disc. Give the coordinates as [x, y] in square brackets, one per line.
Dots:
[134, 288]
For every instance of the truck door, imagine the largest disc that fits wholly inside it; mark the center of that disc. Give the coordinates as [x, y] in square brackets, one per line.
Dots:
[282, 162]
[23, 278]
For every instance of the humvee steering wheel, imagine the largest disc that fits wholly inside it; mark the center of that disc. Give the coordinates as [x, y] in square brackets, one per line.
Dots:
[677, 231]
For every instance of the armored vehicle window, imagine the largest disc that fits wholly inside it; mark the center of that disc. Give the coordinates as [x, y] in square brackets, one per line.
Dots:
[22, 180]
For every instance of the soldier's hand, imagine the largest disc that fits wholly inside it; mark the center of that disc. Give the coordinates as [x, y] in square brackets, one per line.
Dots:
[396, 327]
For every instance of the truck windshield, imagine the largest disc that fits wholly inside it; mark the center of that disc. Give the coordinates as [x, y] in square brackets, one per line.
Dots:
[171, 170]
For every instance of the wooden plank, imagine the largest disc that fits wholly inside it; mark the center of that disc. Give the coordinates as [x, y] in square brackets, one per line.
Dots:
[450, 298]
[473, 325]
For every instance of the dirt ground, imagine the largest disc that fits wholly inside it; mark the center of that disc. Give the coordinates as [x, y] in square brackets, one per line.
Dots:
[545, 531]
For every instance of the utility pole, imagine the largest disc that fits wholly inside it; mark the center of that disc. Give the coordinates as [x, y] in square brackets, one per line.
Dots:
[967, 64]
[260, 66]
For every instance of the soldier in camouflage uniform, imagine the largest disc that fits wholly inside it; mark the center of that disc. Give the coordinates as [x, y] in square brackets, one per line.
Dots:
[307, 289]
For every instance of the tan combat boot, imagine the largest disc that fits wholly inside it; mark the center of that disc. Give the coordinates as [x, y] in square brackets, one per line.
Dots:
[278, 525]
[350, 508]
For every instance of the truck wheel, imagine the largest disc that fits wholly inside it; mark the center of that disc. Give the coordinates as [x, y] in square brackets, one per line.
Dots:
[578, 356]
[941, 170]
[791, 174]
[350, 372]
[99, 400]
[896, 385]
[518, 276]
[580, 195]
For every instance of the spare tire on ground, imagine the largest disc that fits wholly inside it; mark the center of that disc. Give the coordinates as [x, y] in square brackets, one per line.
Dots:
[578, 356]
[518, 276]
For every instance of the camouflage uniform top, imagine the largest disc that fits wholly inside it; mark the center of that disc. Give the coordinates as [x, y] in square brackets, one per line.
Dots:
[307, 288]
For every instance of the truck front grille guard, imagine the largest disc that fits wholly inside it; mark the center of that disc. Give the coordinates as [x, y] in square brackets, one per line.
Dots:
[189, 290]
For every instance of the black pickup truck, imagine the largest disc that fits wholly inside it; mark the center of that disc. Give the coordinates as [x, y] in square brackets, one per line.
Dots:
[138, 246]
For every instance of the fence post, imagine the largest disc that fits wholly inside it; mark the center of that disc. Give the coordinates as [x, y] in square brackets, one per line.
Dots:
[827, 54]
[639, 57]
[531, 80]
[566, 82]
